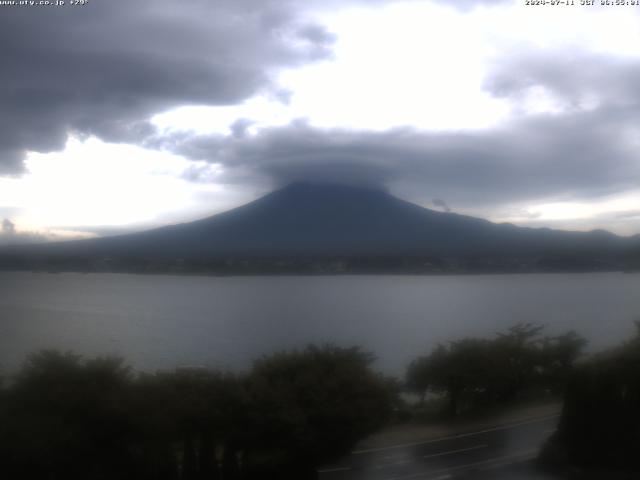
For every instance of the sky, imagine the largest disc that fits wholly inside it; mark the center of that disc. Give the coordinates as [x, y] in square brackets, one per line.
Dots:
[118, 116]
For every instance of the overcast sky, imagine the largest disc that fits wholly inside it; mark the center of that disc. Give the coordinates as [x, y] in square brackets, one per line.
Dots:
[121, 115]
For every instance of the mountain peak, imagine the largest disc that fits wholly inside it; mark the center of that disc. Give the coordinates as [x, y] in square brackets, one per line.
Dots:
[328, 188]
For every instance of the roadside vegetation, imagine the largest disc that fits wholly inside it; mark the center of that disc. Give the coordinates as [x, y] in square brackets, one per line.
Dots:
[599, 431]
[65, 417]
[475, 374]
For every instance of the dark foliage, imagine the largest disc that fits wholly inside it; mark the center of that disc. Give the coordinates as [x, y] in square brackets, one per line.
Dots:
[63, 417]
[315, 404]
[475, 373]
[600, 423]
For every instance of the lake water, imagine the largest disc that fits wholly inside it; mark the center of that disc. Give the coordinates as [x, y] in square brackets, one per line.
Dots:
[159, 322]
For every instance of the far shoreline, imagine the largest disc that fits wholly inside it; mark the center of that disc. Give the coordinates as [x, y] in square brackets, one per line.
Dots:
[322, 274]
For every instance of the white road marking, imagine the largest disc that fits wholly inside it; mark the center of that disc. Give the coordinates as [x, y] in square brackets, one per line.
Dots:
[401, 456]
[487, 464]
[453, 437]
[451, 452]
[510, 460]
[336, 469]
[407, 460]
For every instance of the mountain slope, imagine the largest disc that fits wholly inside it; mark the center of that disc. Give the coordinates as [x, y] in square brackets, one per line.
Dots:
[328, 220]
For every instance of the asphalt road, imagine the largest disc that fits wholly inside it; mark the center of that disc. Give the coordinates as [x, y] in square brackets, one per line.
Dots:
[504, 452]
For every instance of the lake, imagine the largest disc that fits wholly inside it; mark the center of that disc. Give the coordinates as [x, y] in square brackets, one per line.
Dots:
[159, 322]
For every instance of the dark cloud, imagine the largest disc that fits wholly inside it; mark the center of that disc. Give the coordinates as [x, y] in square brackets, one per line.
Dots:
[199, 174]
[576, 80]
[240, 127]
[586, 150]
[8, 227]
[565, 157]
[105, 68]
[635, 214]
[438, 202]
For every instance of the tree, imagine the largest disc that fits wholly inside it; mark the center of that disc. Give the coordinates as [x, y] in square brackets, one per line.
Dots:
[419, 378]
[558, 357]
[309, 406]
[65, 418]
[474, 372]
[600, 423]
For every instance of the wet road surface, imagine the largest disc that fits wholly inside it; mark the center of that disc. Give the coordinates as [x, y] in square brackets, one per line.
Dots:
[504, 452]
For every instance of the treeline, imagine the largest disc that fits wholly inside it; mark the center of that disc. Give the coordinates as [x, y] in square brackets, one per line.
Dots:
[599, 431]
[65, 417]
[62, 417]
[598, 435]
[476, 373]
[310, 265]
